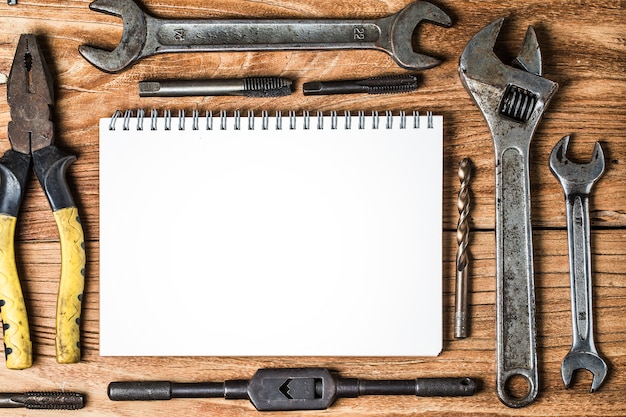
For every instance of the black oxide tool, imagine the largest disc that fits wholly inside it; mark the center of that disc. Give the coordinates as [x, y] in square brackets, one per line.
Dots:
[283, 389]
[42, 400]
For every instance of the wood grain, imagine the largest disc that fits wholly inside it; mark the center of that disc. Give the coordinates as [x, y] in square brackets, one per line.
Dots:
[584, 49]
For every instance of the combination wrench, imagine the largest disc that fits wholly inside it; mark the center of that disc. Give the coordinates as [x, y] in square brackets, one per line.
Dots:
[577, 181]
[512, 100]
[144, 35]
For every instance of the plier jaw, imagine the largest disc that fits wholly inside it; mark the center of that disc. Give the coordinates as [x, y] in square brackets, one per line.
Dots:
[30, 94]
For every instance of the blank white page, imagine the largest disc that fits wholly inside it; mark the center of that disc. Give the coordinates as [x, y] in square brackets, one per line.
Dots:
[321, 238]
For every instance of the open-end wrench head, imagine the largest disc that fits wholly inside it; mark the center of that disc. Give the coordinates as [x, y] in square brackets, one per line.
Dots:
[574, 177]
[133, 36]
[590, 361]
[511, 99]
[402, 27]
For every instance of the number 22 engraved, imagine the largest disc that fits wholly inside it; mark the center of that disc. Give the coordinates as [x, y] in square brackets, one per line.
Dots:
[359, 33]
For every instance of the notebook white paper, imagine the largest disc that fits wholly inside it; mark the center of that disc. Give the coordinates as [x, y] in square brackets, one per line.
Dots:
[271, 235]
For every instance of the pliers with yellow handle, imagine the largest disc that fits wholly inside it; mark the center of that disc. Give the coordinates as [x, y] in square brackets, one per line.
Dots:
[30, 95]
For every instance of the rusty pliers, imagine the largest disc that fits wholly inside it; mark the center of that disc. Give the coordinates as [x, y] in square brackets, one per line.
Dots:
[30, 95]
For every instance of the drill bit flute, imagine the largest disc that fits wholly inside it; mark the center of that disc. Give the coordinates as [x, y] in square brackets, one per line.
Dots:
[462, 259]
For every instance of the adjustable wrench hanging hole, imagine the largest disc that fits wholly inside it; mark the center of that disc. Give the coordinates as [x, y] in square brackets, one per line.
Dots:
[517, 387]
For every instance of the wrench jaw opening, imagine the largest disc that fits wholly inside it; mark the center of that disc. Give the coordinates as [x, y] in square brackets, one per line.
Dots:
[403, 25]
[134, 36]
[576, 178]
[587, 360]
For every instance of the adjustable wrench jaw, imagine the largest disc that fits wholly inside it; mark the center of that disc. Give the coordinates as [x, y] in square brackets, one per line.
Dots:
[511, 99]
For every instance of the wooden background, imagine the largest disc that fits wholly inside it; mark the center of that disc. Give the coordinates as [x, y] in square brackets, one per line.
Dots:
[584, 48]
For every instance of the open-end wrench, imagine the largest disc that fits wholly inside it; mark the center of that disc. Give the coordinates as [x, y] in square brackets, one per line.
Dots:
[577, 181]
[144, 35]
[512, 101]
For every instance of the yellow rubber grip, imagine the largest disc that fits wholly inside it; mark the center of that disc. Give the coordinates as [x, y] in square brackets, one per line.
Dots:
[71, 285]
[18, 348]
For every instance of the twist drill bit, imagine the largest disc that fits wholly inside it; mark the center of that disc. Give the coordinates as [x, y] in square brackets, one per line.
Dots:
[42, 400]
[462, 259]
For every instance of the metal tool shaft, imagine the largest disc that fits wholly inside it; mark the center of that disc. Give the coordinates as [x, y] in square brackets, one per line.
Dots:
[251, 87]
[462, 257]
[42, 400]
[374, 85]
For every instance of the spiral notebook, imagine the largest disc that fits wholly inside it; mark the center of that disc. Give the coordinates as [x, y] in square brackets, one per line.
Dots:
[303, 234]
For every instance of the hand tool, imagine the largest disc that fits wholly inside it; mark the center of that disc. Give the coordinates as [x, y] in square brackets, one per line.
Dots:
[277, 389]
[462, 258]
[248, 87]
[577, 181]
[512, 101]
[373, 85]
[42, 400]
[145, 35]
[31, 133]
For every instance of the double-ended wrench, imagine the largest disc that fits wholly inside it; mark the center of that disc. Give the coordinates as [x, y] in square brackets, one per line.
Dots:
[144, 35]
[512, 100]
[577, 181]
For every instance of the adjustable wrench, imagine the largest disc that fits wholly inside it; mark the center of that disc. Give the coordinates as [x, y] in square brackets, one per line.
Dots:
[577, 181]
[512, 101]
[145, 35]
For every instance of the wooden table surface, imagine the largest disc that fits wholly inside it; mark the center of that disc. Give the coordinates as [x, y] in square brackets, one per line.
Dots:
[584, 50]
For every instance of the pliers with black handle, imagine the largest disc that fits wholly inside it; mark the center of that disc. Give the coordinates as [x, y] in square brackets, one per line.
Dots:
[30, 95]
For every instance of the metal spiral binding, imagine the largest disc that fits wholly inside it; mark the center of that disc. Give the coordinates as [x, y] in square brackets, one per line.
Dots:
[305, 118]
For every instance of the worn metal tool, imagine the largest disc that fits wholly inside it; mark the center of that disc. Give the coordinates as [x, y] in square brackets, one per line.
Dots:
[374, 85]
[46, 400]
[577, 181]
[462, 257]
[291, 389]
[31, 133]
[145, 35]
[248, 87]
[512, 100]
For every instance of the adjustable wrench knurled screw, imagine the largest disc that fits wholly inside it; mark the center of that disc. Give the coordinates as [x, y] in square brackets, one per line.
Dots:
[145, 35]
[512, 101]
[577, 181]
